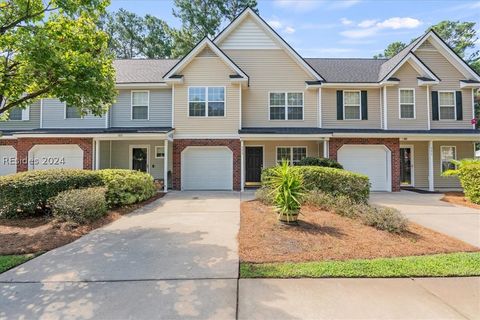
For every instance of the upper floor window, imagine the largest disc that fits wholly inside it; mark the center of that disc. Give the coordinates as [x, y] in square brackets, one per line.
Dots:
[72, 112]
[291, 154]
[447, 154]
[206, 101]
[407, 103]
[140, 105]
[352, 105]
[447, 105]
[19, 114]
[286, 105]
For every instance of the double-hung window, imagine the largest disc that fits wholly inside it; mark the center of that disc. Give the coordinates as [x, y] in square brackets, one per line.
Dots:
[352, 105]
[15, 114]
[446, 105]
[286, 105]
[140, 105]
[206, 101]
[72, 112]
[407, 103]
[447, 154]
[291, 154]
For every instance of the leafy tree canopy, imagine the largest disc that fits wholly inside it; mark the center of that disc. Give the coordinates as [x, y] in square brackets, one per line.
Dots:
[391, 50]
[53, 48]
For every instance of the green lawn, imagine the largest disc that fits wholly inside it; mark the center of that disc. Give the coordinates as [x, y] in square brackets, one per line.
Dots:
[440, 265]
[8, 262]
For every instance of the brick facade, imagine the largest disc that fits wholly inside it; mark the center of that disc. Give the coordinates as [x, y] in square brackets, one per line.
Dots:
[180, 144]
[24, 145]
[391, 143]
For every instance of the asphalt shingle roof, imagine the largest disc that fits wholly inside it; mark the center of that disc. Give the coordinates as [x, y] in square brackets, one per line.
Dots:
[142, 70]
[347, 70]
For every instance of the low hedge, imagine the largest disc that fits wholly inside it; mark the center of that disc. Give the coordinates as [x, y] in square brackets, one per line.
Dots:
[320, 162]
[79, 205]
[126, 187]
[469, 174]
[27, 193]
[336, 182]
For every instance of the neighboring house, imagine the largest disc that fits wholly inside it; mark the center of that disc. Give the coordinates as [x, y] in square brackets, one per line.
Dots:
[246, 100]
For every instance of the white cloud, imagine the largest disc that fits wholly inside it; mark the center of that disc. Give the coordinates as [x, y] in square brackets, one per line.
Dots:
[400, 23]
[298, 5]
[344, 4]
[359, 33]
[275, 24]
[367, 23]
[289, 30]
[346, 22]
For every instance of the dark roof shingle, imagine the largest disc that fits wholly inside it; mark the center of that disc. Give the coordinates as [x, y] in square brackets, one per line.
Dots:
[347, 70]
[142, 70]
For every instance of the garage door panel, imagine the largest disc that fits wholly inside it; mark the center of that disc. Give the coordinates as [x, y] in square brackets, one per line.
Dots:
[372, 161]
[43, 157]
[207, 168]
[8, 160]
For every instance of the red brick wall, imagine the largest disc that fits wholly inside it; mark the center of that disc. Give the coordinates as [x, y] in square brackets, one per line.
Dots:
[391, 143]
[180, 144]
[23, 145]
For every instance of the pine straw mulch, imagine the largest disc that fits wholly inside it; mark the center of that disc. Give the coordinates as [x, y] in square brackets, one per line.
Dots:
[34, 235]
[322, 235]
[459, 198]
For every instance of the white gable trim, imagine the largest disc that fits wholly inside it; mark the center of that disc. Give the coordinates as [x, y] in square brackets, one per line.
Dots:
[190, 56]
[449, 54]
[418, 65]
[248, 12]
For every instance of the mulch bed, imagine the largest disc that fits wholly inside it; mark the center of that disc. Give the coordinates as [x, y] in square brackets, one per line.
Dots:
[322, 235]
[35, 235]
[459, 198]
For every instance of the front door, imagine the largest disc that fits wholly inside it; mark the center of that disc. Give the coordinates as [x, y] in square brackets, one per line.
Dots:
[140, 159]
[253, 165]
[406, 166]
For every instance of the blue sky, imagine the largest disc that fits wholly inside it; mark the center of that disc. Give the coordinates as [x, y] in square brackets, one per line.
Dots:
[339, 28]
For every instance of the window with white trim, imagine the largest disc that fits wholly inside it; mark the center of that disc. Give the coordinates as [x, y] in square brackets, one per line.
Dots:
[140, 105]
[286, 105]
[447, 154]
[446, 104]
[206, 101]
[352, 105]
[15, 114]
[159, 152]
[407, 103]
[72, 112]
[291, 154]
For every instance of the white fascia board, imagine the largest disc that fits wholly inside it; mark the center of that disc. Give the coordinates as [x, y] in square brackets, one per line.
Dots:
[465, 85]
[292, 53]
[417, 65]
[7, 137]
[422, 83]
[281, 137]
[141, 85]
[411, 136]
[350, 84]
[98, 136]
[206, 136]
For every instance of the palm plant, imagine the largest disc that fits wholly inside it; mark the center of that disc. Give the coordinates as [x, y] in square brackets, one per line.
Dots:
[287, 191]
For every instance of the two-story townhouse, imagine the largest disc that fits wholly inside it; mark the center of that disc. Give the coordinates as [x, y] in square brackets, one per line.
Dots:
[247, 100]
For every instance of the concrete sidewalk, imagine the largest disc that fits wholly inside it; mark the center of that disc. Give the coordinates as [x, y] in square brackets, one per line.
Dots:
[426, 209]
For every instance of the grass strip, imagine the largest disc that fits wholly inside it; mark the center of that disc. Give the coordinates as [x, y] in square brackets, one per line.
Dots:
[10, 261]
[439, 265]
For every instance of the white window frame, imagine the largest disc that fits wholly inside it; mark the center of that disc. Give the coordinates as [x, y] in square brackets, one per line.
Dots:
[207, 101]
[400, 104]
[156, 152]
[291, 153]
[131, 104]
[65, 113]
[359, 105]
[286, 106]
[441, 153]
[412, 163]
[25, 115]
[454, 105]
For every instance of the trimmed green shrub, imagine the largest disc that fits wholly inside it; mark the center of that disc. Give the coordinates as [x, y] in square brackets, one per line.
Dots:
[336, 182]
[126, 187]
[468, 171]
[264, 195]
[27, 193]
[80, 205]
[320, 162]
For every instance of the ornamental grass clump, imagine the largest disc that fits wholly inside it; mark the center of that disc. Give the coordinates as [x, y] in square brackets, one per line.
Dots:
[287, 191]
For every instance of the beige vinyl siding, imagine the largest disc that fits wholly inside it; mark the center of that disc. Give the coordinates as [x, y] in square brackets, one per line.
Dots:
[314, 149]
[426, 45]
[408, 80]
[207, 72]
[464, 150]
[272, 71]
[329, 110]
[207, 52]
[420, 162]
[450, 78]
[248, 35]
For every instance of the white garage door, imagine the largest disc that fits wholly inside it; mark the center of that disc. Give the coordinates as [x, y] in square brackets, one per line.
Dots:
[60, 156]
[372, 161]
[8, 160]
[207, 168]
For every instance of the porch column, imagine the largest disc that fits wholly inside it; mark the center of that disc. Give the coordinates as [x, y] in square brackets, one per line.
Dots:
[431, 185]
[325, 149]
[165, 166]
[242, 163]
[97, 154]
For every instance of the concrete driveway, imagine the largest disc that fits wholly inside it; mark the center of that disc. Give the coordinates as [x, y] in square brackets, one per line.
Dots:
[426, 209]
[175, 258]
